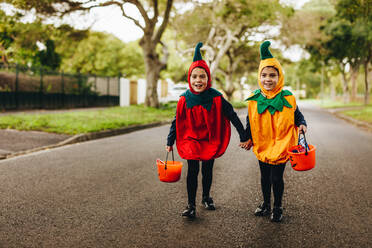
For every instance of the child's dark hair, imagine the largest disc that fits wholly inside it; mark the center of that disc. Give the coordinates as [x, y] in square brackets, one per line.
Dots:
[272, 67]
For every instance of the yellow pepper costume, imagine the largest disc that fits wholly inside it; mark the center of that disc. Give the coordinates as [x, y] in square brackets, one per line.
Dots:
[271, 116]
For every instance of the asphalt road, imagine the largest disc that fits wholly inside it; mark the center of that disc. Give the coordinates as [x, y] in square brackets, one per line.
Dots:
[105, 193]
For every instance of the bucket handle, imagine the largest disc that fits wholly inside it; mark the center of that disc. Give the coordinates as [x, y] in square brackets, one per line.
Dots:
[166, 160]
[306, 145]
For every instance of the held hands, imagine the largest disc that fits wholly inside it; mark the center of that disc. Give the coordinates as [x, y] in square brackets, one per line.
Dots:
[302, 129]
[246, 145]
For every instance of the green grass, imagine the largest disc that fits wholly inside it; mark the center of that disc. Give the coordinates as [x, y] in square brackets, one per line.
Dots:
[357, 110]
[88, 121]
[364, 114]
[327, 103]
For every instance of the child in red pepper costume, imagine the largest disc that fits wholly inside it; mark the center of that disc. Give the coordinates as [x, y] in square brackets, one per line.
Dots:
[202, 130]
[273, 123]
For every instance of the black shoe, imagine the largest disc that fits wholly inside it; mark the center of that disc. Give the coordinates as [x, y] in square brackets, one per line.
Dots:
[263, 210]
[189, 212]
[277, 214]
[208, 203]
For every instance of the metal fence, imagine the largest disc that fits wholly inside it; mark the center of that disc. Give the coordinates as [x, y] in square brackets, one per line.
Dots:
[24, 87]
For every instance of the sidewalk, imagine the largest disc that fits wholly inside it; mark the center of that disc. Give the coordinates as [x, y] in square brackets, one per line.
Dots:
[14, 143]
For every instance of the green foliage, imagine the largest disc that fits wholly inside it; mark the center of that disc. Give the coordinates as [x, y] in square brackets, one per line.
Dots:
[347, 40]
[19, 41]
[131, 60]
[104, 54]
[363, 114]
[7, 31]
[196, 21]
[49, 58]
[75, 50]
[349, 32]
[303, 76]
[352, 10]
[67, 39]
[178, 64]
[359, 15]
[87, 121]
[249, 13]
[302, 28]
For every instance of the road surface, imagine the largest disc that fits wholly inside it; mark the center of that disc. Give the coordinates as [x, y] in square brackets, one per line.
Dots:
[105, 193]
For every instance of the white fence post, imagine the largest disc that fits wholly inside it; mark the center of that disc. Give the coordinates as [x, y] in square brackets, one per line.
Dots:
[141, 93]
[124, 92]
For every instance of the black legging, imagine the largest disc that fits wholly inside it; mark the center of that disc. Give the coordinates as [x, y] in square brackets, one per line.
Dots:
[272, 175]
[192, 178]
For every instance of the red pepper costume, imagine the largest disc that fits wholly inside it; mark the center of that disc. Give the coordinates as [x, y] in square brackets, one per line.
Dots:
[203, 132]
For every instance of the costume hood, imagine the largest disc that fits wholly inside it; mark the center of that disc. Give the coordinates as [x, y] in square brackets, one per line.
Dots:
[267, 59]
[199, 62]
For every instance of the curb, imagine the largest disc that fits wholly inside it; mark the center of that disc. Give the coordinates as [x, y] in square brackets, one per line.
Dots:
[358, 123]
[86, 137]
[367, 126]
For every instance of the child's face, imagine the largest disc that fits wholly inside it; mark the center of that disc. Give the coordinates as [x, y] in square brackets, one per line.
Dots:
[198, 79]
[269, 78]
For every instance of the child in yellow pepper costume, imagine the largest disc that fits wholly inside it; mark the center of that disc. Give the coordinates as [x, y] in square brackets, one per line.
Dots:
[273, 123]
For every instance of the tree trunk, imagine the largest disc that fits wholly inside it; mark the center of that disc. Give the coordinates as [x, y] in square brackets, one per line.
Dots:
[333, 91]
[153, 67]
[4, 57]
[354, 77]
[152, 77]
[226, 44]
[345, 88]
[229, 87]
[366, 94]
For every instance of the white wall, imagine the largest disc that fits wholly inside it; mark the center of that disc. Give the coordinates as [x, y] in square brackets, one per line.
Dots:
[124, 92]
[141, 91]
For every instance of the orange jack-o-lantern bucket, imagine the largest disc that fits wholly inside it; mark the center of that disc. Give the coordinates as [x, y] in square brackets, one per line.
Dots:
[169, 171]
[302, 156]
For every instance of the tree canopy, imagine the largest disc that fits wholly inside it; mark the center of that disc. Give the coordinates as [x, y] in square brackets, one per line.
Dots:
[336, 34]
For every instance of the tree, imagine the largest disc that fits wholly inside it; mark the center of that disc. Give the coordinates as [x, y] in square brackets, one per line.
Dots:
[104, 54]
[224, 31]
[342, 47]
[240, 59]
[303, 29]
[8, 32]
[49, 57]
[359, 15]
[155, 16]
[67, 40]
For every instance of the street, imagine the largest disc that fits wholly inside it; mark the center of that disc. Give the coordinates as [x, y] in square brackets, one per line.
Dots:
[105, 193]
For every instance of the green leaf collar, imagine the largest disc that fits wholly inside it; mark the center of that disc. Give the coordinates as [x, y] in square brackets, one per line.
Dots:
[205, 98]
[273, 105]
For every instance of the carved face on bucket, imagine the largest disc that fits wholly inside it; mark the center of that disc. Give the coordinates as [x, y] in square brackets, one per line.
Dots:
[269, 78]
[198, 79]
